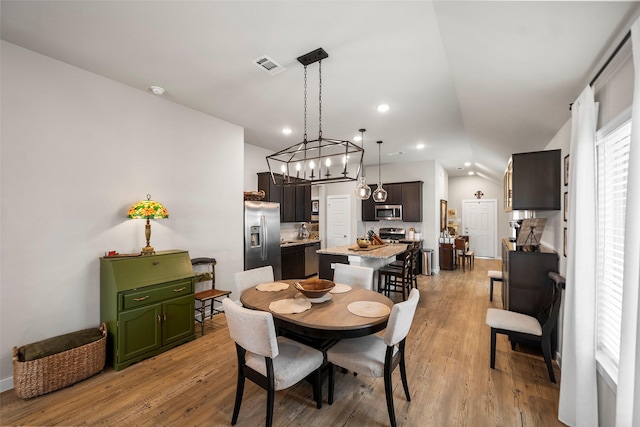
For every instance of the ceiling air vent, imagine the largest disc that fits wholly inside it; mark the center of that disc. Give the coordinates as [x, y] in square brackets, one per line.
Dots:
[269, 65]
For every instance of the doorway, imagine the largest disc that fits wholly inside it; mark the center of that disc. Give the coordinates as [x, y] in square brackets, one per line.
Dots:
[480, 222]
[338, 220]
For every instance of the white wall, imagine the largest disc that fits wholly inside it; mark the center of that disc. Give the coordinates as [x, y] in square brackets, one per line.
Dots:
[254, 162]
[77, 151]
[464, 187]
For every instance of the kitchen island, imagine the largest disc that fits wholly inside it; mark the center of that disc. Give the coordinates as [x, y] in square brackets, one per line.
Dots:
[351, 254]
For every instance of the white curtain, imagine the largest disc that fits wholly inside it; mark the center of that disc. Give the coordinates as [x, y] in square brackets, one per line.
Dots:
[578, 391]
[628, 393]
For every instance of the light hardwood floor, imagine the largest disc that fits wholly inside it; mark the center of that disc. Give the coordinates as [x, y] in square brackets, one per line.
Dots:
[448, 372]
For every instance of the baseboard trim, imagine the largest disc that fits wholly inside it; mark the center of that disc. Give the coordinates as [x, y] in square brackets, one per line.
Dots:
[6, 384]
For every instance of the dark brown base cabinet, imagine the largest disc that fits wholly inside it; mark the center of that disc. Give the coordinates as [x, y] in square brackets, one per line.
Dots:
[324, 264]
[525, 285]
[447, 256]
[148, 305]
[292, 259]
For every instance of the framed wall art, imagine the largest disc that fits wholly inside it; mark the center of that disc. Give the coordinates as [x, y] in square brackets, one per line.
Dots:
[443, 215]
[566, 170]
[565, 242]
[566, 206]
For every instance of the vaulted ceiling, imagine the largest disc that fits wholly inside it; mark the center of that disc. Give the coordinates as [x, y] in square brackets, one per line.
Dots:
[473, 81]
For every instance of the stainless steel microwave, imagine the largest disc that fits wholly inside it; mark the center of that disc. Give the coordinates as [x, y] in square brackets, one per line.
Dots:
[388, 212]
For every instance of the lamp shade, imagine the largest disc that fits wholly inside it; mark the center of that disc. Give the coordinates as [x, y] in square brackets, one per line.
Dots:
[148, 209]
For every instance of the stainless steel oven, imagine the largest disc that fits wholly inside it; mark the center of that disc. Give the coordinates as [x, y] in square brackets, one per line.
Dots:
[388, 212]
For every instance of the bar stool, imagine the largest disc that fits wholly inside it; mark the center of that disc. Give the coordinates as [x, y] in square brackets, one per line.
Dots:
[211, 296]
[494, 276]
[394, 279]
[468, 256]
[414, 248]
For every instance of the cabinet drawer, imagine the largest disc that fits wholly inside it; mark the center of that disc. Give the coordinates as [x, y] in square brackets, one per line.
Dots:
[131, 273]
[150, 295]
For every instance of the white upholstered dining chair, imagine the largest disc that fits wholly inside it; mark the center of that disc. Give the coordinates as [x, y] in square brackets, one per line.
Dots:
[273, 363]
[377, 356]
[249, 278]
[353, 275]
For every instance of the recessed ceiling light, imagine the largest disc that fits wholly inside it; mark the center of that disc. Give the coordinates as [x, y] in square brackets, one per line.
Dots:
[157, 90]
[470, 173]
[383, 108]
[357, 138]
[467, 164]
[420, 146]
[286, 131]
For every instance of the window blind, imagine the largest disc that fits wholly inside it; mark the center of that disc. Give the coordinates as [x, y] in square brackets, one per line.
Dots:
[612, 150]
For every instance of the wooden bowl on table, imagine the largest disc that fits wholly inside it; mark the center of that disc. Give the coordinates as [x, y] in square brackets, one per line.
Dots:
[314, 288]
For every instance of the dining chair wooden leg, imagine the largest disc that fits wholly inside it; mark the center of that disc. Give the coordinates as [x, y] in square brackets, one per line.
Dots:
[546, 352]
[332, 379]
[239, 391]
[388, 391]
[270, 403]
[271, 390]
[403, 371]
[317, 387]
[493, 348]
[239, 386]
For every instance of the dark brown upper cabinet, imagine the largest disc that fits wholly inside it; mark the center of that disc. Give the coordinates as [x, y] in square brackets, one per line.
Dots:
[532, 181]
[295, 200]
[407, 194]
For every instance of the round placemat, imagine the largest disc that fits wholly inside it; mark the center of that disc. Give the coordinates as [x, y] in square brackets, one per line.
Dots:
[339, 288]
[290, 305]
[272, 287]
[368, 309]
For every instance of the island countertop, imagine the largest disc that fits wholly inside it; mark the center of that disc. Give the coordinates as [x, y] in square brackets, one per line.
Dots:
[385, 251]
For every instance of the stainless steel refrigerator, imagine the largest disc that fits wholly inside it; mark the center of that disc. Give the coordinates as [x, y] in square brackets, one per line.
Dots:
[262, 236]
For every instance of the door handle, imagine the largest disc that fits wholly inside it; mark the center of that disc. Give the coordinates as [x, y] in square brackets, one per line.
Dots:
[263, 242]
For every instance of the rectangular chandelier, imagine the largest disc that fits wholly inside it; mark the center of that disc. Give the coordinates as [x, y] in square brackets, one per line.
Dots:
[322, 160]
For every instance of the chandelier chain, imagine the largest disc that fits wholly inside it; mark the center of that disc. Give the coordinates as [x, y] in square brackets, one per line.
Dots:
[305, 103]
[320, 101]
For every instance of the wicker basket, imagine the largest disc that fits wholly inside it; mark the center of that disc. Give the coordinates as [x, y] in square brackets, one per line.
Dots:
[50, 373]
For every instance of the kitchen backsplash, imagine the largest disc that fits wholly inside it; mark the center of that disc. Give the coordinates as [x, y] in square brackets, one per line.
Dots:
[289, 230]
[376, 225]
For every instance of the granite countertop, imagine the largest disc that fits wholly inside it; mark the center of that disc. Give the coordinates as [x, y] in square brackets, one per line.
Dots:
[298, 242]
[386, 251]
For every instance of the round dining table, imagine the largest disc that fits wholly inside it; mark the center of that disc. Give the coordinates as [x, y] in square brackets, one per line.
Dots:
[329, 320]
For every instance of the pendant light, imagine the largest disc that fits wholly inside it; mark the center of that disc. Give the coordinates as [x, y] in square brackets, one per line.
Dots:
[363, 191]
[380, 195]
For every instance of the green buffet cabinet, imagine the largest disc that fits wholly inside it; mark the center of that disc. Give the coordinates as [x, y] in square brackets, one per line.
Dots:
[147, 303]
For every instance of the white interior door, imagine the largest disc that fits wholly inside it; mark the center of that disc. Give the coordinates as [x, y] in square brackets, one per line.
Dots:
[338, 220]
[479, 222]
